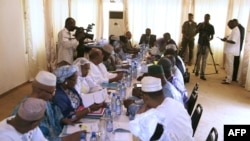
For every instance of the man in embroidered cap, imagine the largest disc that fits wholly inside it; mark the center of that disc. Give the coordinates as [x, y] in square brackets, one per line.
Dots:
[23, 126]
[43, 87]
[172, 120]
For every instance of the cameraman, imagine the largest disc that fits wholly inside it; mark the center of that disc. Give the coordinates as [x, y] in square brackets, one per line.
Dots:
[206, 33]
[81, 48]
[66, 43]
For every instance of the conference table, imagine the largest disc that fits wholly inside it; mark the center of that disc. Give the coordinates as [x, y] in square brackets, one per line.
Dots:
[120, 123]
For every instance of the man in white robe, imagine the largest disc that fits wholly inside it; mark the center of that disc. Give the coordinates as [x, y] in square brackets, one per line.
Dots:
[98, 70]
[167, 119]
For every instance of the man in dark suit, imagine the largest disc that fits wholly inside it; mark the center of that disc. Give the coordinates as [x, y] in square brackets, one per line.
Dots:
[148, 38]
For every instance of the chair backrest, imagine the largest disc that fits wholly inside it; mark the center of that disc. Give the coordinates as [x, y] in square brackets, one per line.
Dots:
[213, 135]
[195, 117]
[191, 102]
[196, 87]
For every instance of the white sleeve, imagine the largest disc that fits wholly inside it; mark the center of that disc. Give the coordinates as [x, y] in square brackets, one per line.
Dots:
[38, 135]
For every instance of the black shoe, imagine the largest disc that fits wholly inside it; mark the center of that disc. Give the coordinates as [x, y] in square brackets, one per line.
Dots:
[225, 82]
[196, 74]
[203, 78]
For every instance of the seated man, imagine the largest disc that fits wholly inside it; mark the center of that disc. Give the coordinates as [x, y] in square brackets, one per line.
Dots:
[134, 103]
[127, 45]
[43, 87]
[167, 67]
[160, 118]
[108, 60]
[178, 61]
[98, 71]
[23, 126]
[165, 41]
[85, 84]
[148, 38]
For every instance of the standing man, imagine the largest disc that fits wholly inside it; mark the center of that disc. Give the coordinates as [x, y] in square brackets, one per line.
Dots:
[188, 33]
[206, 33]
[66, 42]
[148, 38]
[232, 49]
[237, 58]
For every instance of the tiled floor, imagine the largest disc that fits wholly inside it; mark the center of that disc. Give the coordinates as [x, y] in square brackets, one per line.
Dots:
[222, 104]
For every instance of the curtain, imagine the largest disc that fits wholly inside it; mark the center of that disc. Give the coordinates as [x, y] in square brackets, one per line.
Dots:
[218, 10]
[35, 41]
[86, 12]
[160, 15]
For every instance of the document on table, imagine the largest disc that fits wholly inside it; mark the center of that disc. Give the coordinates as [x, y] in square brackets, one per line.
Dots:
[87, 125]
[95, 97]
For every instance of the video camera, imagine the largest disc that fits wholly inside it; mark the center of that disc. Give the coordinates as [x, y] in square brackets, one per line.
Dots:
[86, 30]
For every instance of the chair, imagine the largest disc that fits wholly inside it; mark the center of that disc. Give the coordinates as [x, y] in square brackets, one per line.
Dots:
[191, 101]
[196, 87]
[195, 117]
[213, 135]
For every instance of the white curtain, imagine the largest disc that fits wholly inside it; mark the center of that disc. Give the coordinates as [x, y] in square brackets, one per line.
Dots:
[35, 36]
[160, 15]
[218, 10]
[86, 12]
[55, 21]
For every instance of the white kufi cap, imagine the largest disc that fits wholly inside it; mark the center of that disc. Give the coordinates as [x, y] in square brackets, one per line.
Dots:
[151, 84]
[32, 109]
[46, 78]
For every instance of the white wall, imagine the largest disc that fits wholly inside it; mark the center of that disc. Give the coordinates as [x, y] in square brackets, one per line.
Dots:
[12, 45]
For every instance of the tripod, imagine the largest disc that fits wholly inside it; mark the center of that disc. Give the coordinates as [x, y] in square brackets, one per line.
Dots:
[211, 53]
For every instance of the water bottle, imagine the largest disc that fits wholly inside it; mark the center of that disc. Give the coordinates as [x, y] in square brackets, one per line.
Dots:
[129, 80]
[93, 137]
[109, 122]
[118, 106]
[113, 102]
[134, 70]
[82, 137]
[123, 91]
[106, 111]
